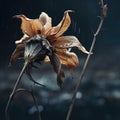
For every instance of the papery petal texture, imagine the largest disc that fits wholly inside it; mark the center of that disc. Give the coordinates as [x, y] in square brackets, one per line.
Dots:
[30, 26]
[64, 24]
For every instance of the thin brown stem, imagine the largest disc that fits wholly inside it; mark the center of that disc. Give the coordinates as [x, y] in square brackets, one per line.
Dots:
[102, 3]
[36, 104]
[13, 91]
[34, 99]
[84, 67]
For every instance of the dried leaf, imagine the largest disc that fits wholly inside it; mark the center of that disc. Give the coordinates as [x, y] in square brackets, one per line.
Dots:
[65, 42]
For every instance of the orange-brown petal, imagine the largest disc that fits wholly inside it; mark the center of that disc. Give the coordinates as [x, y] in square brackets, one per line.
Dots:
[36, 26]
[61, 27]
[69, 59]
[30, 26]
[65, 42]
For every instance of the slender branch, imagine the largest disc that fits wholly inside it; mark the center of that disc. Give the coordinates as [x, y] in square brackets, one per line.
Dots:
[34, 99]
[13, 91]
[33, 96]
[86, 62]
[36, 104]
[101, 2]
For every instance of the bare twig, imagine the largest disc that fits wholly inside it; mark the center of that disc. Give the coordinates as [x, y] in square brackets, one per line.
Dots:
[33, 96]
[34, 99]
[14, 90]
[104, 12]
[36, 104]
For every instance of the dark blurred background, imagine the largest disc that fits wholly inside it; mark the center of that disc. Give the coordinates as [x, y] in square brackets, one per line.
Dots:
[99, 95]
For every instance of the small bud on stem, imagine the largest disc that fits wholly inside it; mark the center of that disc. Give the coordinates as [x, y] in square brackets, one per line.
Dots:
[105, 8]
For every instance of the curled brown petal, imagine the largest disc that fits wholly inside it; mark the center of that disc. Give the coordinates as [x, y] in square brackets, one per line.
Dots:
[46, 22]
[65, 42]
[61, 27]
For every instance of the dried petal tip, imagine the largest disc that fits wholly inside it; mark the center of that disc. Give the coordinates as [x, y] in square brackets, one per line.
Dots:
[69, 11]
[14, 16]
[84, 50]
[19, 16]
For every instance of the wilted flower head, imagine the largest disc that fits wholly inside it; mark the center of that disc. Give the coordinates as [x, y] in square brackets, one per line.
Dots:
[43, 42]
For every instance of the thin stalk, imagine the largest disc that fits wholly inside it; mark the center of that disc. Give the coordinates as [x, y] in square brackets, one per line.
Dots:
[82, 73]
[84, 67]
[14, 90]
[36, 104]
[34, 99]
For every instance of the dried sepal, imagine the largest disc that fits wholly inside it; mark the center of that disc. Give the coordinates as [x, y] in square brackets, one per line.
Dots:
[35, 51]
[57, 68]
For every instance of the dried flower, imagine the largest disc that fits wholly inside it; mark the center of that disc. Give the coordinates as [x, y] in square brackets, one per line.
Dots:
[42, 42]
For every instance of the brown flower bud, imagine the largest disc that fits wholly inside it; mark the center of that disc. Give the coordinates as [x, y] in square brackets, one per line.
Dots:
[105, 8]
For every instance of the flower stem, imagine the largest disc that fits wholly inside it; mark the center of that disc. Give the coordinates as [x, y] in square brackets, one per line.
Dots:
[14, 90]
[33, 97]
